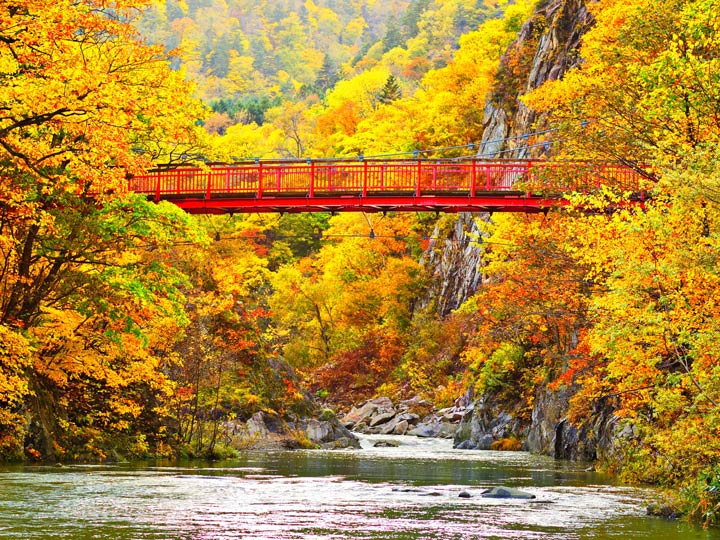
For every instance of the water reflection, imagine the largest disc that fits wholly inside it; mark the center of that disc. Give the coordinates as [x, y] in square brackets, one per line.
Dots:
[409, 492]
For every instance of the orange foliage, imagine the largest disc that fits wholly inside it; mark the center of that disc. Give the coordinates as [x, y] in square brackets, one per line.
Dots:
[508, 444]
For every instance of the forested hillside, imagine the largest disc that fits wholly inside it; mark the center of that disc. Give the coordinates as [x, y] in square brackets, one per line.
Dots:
[296, 79]
[129, 329]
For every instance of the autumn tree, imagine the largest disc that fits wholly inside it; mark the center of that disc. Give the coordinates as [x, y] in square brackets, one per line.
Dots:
[223, 372]
[279, 49]
[84, 103]
[640, 95]
[342, 315]
[442, 111]
[531, 313]
[650, 96]
[648, 349]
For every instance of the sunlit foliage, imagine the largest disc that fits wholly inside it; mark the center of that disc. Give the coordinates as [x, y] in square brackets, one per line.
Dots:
[84, 298]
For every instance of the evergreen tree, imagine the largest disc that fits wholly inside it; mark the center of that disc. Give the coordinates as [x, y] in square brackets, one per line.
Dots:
[390, 91]
[393, 34]
[411, 18]
[327, 77]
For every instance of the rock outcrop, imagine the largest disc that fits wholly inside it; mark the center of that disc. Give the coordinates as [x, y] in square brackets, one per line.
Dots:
[549, 431]
[453, 260]
[486, 424]
[409, 417]
[266, 431]
[546, 48]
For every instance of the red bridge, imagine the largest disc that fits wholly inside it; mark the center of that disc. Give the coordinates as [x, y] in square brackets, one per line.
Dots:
[380, 186]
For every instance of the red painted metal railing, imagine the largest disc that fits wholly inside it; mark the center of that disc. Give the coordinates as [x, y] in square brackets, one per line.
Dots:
[343, 185]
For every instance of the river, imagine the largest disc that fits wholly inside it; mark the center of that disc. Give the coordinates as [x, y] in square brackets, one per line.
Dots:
[408, 492]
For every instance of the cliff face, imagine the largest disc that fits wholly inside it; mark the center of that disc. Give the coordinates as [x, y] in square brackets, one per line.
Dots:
[454, 262]
[545, 49]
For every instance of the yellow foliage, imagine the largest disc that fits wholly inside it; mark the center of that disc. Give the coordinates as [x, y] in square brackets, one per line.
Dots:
[15, 355]
[644, 94]
[445, 109]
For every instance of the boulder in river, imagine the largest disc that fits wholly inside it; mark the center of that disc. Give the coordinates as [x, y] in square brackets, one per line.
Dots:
[386, 444]
[267, 431]
[425, 430]
[382, 418]
[501, 492]
[328, 433]
[370, 413]
[395, 428]
[664, 510]
[444, 430]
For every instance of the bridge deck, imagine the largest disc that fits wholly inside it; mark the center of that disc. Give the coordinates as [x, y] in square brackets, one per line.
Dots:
[373, 186]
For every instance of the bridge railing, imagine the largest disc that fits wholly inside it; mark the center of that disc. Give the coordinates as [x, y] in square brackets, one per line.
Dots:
[557, 178]
[318, 178]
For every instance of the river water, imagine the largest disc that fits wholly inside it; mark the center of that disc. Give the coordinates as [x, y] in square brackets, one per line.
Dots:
[408, 492]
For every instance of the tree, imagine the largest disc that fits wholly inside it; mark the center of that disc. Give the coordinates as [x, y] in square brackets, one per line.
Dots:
[443, 111]
[532, 311]
[226, 372]
[83, 103]
[393, 34]
[15, 359]
[343, 314]
[390, 91]
[650, 96]
[640, 95]
[411, 17]
[653, 319]
[328, 76]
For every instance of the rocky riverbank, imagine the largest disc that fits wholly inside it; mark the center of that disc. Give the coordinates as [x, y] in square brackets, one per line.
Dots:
[414, 416]
[493, 425]
[266, 431]
[473, 424]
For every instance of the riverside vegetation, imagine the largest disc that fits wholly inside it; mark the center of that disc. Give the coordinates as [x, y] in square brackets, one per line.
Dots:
[127, 330]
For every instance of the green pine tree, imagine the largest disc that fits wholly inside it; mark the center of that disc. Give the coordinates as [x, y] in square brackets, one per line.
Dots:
[390, 91]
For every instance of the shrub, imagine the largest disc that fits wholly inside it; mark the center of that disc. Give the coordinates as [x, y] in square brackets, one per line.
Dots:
[508, 444]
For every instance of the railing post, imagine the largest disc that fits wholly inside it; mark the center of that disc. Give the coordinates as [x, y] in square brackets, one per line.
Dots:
[312, 178]
[157, 188]
[365, 179]
[488, 178]
[527, 174]
[419, 176]
[260, 181]
[208, 186]
[473, 177]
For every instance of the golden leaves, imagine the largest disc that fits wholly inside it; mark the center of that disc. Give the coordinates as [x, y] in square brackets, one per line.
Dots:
[648, 86]
[74, 109]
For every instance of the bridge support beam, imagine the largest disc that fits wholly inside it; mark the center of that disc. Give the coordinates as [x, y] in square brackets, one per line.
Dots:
[489, 203]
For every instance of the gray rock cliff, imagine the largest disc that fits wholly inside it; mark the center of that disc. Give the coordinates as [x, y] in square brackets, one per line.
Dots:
[453, 259]
[546, 48]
